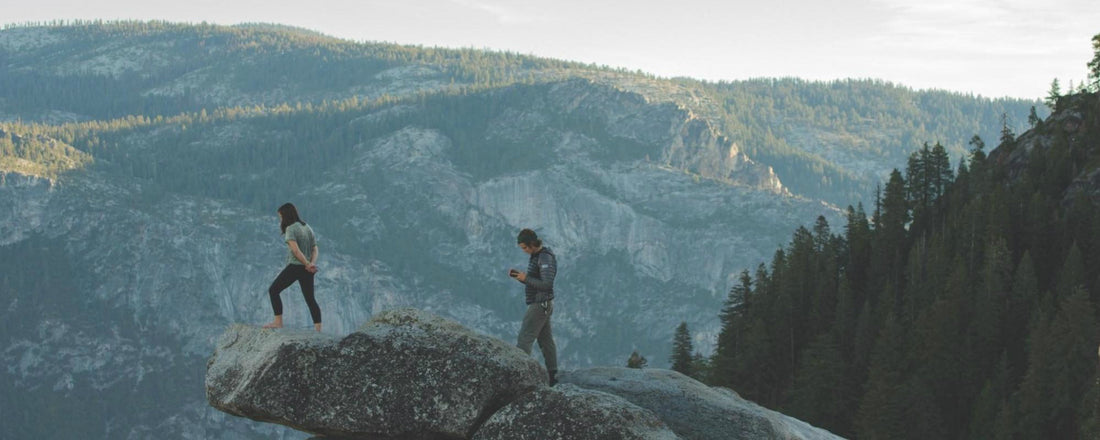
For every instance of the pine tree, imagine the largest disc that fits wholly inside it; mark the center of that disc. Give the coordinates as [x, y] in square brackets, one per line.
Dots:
[993, 397]
[681, 350]
[1072, 275]
[916, 179]
[826, 266]
[820, 394]
[1094, 65]
[857, 231]
[882, 408]
[1073, 339]
[1061, 361]
[1024, 297]
[1008, 137]
[978, 145]
[1090, 409]
[700, 368]
[890, 245]
[736, 306]
[940, 173]
[939, 352]
[754, 376]
[1053, 95]
[991, 304]
[922, 418]
[636, 360]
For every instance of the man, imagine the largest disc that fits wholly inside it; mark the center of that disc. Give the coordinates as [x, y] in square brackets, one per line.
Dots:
[539, 281]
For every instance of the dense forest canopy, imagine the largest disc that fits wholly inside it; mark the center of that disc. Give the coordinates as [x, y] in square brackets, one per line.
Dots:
[961, 306]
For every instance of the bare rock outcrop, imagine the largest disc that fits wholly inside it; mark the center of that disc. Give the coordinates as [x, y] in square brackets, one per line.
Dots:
[570, 412]
[405, 374]
[408, 374]
[692, 409]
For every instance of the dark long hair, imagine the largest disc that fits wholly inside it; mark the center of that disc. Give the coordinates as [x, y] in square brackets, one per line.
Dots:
[528, 237]
[290, 216]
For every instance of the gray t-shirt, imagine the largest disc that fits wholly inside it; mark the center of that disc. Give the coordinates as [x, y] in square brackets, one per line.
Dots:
[303, 235]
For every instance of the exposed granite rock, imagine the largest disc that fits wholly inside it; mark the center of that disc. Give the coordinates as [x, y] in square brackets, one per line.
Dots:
[1072, 127]
[693, 410]
[409, 374]
[567, 412]
[406, 374]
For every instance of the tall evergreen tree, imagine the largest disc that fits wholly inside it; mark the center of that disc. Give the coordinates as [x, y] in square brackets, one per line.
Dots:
[1072, 275]
[1074, 338]
[1090, 408]
[882, 408]
[681, 350]
[888, 264]
[993, 397]
[1053, 95]
[1094, 64]
[940, 173]
[701, 367]
[922, 418]
[938, 349]
[916, 179]
[754, 376]
[991, 305]
[1008, 137]
[826, 267]
[737, 303]
[1060, 365]
[820, 394]
[1025, 295]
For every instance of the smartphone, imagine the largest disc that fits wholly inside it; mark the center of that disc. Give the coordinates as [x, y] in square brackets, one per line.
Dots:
[513, 273]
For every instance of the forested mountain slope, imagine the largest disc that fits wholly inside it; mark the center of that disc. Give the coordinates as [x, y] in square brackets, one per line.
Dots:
[965, 307]
[141, 165]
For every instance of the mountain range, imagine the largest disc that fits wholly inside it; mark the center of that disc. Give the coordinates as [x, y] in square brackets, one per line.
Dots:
[141, 164]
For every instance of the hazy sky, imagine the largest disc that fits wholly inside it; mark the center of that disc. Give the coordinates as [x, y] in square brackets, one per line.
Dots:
[988, 47]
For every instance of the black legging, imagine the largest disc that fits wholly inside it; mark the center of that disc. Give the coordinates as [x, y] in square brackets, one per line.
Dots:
[290, 274]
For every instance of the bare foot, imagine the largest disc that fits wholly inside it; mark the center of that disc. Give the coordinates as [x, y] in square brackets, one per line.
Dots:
[317, 327]
[275, 323]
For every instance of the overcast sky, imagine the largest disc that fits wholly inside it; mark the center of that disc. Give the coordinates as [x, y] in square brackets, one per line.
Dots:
[987, 47]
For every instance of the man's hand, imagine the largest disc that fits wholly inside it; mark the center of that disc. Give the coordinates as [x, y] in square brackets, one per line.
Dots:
[311, 268]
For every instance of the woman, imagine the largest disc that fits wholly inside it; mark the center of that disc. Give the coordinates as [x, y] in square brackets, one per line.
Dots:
[300, 265]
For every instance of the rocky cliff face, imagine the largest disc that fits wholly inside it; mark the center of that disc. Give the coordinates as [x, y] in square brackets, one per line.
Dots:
[409, 374]
[1070, 133]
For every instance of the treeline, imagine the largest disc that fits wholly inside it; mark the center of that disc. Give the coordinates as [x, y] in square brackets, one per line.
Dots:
[190, 60]
[811, 133]
[962, 307]
[775, 120]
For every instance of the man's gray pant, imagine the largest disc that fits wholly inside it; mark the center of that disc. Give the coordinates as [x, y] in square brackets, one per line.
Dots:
[536, 325]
